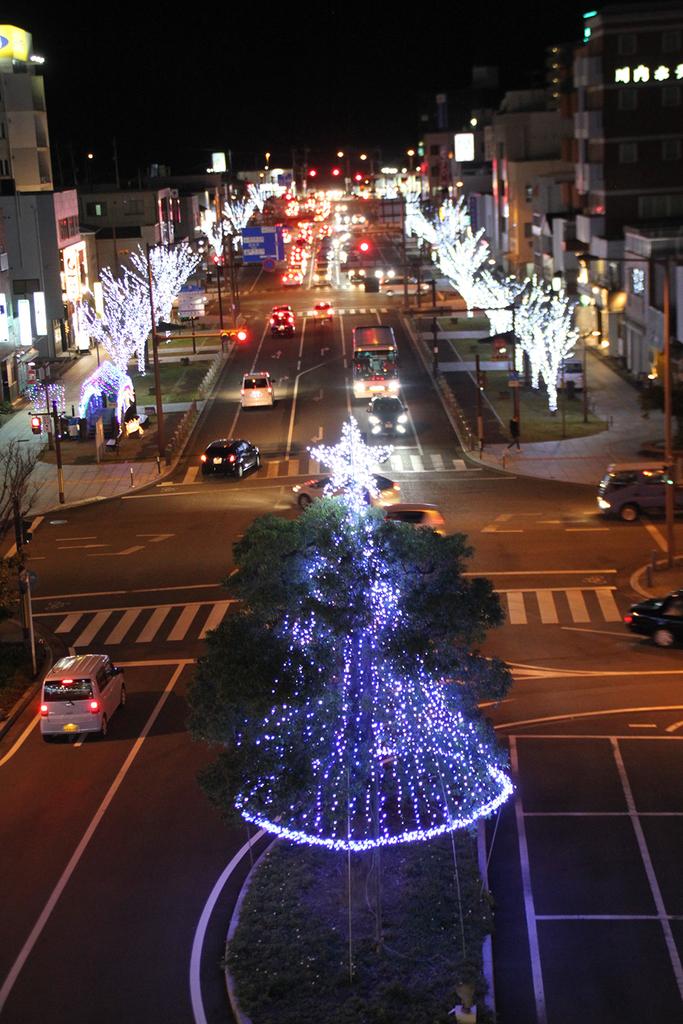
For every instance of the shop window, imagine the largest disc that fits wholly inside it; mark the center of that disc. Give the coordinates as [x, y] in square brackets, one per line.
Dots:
[671, 149]
[96, 209]
[628, 152]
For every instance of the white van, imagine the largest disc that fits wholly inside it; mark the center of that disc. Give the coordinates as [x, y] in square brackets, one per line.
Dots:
[80, 693]
[571, 372]
[257, 390]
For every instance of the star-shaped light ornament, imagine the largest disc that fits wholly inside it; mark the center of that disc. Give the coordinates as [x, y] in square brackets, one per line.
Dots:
[352, 465]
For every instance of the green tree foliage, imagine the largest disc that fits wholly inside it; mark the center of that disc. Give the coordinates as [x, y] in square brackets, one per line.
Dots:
[251, 664]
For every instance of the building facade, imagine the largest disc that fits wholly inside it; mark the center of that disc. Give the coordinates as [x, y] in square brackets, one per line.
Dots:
[25, 164]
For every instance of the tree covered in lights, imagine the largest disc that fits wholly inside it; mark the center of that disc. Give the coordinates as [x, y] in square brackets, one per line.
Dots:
[343, 688]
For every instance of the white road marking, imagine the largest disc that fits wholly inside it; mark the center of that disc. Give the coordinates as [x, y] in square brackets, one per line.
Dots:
[202, 925]
[570, 716]
[608, 606]
[153, 624]
[162, 494]
[115, 554]
[272, 468]
[649, 868]
[123, 625]
[67, 623]
[656, 535]
[25, 734]
[586, 529]
[602, 632]
[75, 858]
[184, 622]
[516, 609]
[93, 627]
[216, 616]
[577, 606]
[155, 538]
[290, 432]
[115, 593]
[674, 727]
[529, 906]
[80, 547]
[546, 606]
[641, 725]
[540, 572]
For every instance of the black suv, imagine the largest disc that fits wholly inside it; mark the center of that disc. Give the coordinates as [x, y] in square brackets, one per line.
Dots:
[387, 415]
[659, 617]
[230, 456]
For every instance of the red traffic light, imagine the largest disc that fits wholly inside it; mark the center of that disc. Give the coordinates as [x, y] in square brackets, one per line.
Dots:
[358, 177]
[335, 172]
[312, 173]
[37, 424]
[242, 335]
[218, 260]
[364, 247]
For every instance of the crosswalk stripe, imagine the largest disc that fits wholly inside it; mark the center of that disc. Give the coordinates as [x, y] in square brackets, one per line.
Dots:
[577, 606]
[93, 627]
[459, 464]
[184, 622]
[416, 463]
[608, 606]
[516, 609]
[437, 460]
[272, 468]
[123, 625]
[216, 616]
[546, 606]
[292, 467]
[191, 475]
[152, 625]
[68, 622]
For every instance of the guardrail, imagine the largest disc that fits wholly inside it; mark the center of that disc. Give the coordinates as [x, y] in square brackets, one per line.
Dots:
[182, 431]
[214, 370]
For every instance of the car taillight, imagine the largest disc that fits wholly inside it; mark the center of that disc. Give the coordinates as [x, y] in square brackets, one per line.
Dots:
[94, 706]
[43, 710]
[628, 619]
[272, 320]
[270, 390]
[202, 458]
[242, 391]
[231, 459]
[396, 487]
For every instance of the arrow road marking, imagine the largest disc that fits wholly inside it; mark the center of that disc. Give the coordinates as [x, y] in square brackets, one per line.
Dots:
[156, 537]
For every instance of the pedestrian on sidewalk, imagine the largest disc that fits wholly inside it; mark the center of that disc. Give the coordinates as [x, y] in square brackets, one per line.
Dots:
[514, 432]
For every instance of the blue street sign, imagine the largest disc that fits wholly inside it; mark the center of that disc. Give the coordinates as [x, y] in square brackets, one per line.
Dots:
[261, 243]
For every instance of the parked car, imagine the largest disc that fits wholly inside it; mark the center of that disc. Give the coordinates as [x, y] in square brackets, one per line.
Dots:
[257, 390]
[418, 515]
[629, 488]
[658, 617]
[80, 693]
[230, 456]
[308, 492]
[387, 415]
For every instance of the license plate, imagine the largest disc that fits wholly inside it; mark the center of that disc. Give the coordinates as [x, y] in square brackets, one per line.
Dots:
[70, 727]
[388, 426]
[217, 460]
[379, 388]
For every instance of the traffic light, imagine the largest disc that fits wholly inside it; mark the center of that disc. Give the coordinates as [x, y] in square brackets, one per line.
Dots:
[335, 172]
[364, 246]
[312, 173]
[242, 334]
[358, 177]
[218, 260]
[37, 424]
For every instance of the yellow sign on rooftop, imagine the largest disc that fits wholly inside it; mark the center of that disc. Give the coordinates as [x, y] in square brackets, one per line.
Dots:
[15, 43]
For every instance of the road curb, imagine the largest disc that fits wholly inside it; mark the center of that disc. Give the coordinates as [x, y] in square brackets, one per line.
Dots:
[177, 456]
[238, 1013]
[646, 571]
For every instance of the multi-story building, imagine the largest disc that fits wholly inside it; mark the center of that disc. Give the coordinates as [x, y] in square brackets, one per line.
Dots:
[650, 254]
[76, 257]
[629, 131]
[25, 164]
[124, 219]
[526, 140]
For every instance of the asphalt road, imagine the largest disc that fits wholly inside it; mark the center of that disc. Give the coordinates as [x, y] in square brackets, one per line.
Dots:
[111, 853]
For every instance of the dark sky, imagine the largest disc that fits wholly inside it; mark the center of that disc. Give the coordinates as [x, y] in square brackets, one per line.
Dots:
[252, 77]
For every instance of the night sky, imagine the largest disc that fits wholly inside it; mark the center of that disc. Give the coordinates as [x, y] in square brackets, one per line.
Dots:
[252, 77]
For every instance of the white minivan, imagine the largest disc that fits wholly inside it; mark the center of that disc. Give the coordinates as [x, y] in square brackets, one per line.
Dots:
[257, 390]
[80, 693]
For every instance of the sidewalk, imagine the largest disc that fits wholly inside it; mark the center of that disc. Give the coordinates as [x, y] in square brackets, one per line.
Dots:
[584, 460]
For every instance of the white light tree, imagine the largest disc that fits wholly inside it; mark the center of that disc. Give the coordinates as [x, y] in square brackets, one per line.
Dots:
[214, 229]
[237, 213]
[126, 321]
[546, 331]
[171, 268]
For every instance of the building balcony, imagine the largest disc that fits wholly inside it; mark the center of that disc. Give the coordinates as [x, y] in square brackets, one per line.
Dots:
[588, 227]
[588, 124]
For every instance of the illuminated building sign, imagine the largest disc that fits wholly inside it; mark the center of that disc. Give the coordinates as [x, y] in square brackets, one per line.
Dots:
[4, 325]
[75, 273]
[39, 310]
[637, 281]
[24, 315]
[464, 147]
[14, 43]
[642, 73]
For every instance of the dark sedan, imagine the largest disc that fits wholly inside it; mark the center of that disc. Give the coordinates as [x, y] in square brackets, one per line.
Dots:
[387, 415]
[659, 617]
[230, 456]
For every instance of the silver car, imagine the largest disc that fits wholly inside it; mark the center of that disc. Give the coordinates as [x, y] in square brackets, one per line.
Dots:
[308, 492]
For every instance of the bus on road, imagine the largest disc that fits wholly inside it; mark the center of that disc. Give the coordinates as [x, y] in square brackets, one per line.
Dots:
[375, 362]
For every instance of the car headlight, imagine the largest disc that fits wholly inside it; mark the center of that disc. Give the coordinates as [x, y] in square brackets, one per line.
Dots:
[296, 488]
[403, 418]
[376, 429]
[400, 428]
[373, 419]
[604, 505]
[393, 385]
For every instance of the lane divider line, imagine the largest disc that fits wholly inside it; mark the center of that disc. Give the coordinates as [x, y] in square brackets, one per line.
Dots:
[76, 856]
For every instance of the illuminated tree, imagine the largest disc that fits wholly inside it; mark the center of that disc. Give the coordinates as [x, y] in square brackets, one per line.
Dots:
[171, 268]
[355, 724]
[126, 321]
[214, 229]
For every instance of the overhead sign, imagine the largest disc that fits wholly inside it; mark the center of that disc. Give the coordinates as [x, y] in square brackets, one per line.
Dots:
[464, 147]
[262, 243]
[191, 300]
[15, 43]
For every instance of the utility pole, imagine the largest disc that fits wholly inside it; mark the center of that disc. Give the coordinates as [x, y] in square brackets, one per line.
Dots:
[670, 493]
[403, 251]
[161, 445]
[480, 416]
[435, 346]
[58, 452]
